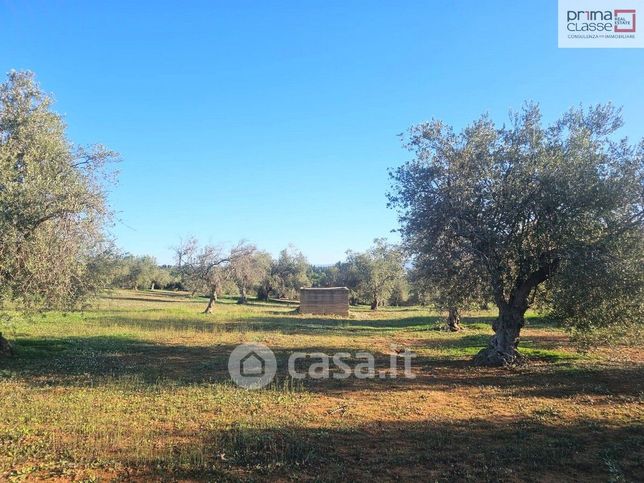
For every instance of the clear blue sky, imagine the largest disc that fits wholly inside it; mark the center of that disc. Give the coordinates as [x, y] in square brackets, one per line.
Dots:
[276, 121]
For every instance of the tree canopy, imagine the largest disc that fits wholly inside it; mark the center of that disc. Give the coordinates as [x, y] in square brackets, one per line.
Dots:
[52, 202]
[530, 206]
[248, 267]
[377, 272]
[287, 275]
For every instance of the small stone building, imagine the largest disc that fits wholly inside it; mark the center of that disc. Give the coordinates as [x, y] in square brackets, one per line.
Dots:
[325, 301]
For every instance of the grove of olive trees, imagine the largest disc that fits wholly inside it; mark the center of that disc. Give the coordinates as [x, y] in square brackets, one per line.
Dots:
[523, 215]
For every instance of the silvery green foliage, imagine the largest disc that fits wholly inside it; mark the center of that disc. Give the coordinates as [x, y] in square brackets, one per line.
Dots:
[601, 290]
[52, 202]
[201, 268]
[210, 268]
[138, 272]
[449, 277]
[287, 274]
[530, 207]
[248, 267]
[376, 272]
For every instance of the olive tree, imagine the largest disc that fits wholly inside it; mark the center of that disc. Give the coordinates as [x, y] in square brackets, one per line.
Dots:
[202, 268]
[248, 267]
[345, 274]
[450, 279]
[184, 254]
[207, 268]
[52, 202]
[378, 271]
[287, 275]
[135, 272]
[530, 205]
[602, 293]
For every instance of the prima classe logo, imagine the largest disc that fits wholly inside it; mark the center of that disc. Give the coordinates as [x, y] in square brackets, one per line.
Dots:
[599, 24]
[617, 20]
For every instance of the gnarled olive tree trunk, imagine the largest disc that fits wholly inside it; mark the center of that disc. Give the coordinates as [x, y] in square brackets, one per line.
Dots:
[502, 349]
[375, 303]
[453, 319]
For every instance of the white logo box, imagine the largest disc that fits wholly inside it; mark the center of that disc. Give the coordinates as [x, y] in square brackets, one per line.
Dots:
[601, 24]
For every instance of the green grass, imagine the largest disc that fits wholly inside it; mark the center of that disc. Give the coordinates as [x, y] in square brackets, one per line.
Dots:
[137, 389]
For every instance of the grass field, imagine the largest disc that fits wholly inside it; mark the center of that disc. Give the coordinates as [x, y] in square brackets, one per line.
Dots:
[137, 389]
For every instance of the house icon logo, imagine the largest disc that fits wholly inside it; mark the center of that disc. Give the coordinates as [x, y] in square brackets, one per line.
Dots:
[252, 366]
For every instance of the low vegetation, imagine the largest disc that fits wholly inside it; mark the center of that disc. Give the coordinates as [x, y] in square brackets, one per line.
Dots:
[137, 389]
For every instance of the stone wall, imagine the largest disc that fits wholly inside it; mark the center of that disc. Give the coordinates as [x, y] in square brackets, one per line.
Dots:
[332, 301]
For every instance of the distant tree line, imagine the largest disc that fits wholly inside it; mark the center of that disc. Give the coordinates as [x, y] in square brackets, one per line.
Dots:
[376, 277]
[141, 272]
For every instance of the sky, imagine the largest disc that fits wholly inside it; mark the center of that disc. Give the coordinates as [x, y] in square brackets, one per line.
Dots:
[276, 121]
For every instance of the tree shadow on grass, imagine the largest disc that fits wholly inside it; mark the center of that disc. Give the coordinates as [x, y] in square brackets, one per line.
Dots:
[469, 450]
[77, 360]
[462, 344]
[82, 361]
[270, 322]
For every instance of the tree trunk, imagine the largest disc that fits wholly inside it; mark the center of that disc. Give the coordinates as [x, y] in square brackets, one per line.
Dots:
[262, 294]
[502, 350]
[211, 302]
[5, 348]
[243, 299]
[453, 319]
[375, 303]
